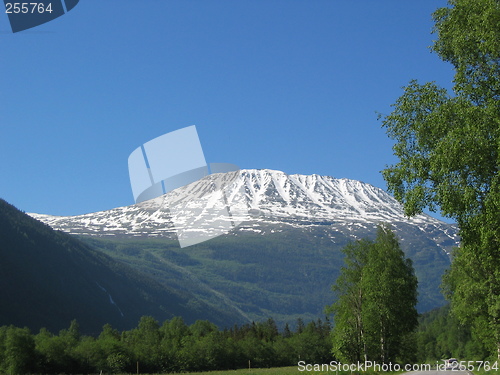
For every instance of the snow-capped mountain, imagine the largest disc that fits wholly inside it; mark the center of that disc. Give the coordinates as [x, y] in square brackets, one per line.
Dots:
[276, 239]
[256, 197]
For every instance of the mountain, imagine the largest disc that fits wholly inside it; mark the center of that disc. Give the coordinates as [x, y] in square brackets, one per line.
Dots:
[49, 278]
[271, 196]
[283, 257]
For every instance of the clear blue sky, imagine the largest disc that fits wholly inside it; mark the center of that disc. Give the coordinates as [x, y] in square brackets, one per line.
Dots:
[292, 85]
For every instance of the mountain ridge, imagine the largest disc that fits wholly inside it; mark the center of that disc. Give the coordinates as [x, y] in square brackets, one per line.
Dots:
[269, 194]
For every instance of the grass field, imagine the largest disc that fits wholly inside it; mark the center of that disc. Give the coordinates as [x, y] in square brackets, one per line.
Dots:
[294, 371]
[266, 371]
[280, 371]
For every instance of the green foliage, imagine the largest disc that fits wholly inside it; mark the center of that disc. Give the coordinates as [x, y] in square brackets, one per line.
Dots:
[390, 287]
[448, 149]
[170, 347]
[348, 335]
[441, 335]
[468, 38]
[377, 292]
[174, 346]
[19, 351]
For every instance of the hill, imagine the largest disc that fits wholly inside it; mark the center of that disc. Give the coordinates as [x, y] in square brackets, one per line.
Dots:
[48, 278]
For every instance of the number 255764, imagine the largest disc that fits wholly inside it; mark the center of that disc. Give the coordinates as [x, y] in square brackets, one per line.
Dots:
[28, 8]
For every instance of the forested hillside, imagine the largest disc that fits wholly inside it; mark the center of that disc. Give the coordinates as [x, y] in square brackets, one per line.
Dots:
[49, 278]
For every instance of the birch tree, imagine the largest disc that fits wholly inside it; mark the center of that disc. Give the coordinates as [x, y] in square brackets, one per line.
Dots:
[448, 147]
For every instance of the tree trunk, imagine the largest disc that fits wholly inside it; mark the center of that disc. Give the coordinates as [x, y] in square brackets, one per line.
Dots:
[365, 356]
[382, 349]
[360, 324]
[382, 341]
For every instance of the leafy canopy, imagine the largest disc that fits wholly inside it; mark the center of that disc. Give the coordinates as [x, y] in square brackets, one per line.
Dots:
[377, 293]
[448, 145]
[448, 149]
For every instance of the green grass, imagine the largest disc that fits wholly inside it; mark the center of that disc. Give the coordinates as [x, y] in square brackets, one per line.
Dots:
[255, 371]
[293, 370]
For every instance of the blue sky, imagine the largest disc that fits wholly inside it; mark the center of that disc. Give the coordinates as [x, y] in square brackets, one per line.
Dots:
[292, 85]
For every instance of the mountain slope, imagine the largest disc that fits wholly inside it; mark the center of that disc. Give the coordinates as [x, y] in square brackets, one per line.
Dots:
[48, 278]
[282, 260]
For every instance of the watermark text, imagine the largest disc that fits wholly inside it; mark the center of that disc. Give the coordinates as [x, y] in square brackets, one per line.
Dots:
[390, 367]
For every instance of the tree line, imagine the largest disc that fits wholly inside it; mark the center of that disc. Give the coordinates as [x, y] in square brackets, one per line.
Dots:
[172, 346]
